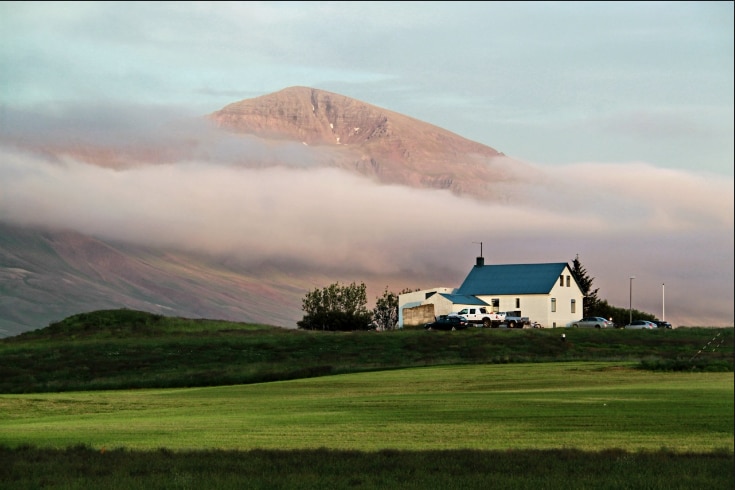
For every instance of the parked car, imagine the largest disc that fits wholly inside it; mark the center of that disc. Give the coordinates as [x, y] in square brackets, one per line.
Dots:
[641, 325]
[448, 323]
[592, 322]
[662, 324]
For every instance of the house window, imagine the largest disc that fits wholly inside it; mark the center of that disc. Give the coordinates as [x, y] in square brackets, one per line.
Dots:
[561, 281]
[574, 306]
[518, 303]
[496, 304]
[553, 305]
[567, 281]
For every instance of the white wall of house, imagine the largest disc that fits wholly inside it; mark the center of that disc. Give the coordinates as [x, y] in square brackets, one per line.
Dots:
[537, 307]
[534, 306]
[564, 295]
[442, 306]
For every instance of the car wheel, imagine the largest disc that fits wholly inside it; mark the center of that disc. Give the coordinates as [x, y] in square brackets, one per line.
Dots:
[454, 329]
[575, 326]
[511, 324]
[597, 326]
[486, 323]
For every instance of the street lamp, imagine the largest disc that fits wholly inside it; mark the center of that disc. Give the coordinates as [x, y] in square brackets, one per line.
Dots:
[630, 307]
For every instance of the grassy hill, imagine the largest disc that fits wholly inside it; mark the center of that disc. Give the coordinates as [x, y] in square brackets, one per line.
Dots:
[125, 349]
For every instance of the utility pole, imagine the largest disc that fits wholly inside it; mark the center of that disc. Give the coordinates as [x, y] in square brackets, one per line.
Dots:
[630, 306]
[663, 301]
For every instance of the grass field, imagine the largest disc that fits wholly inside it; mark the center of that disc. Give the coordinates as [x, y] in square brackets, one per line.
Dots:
[398, 410]
[583, 405]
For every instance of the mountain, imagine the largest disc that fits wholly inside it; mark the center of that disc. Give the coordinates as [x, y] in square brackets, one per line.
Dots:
[374, 142]
[48, 273]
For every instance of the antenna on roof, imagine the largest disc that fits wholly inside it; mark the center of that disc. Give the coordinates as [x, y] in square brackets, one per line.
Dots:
[480, 247]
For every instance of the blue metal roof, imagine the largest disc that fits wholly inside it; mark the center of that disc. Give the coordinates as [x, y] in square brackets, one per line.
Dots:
[511, 279]
[463, 299]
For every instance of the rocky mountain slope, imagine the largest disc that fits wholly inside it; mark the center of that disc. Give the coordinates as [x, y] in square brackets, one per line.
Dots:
[47, 275]
[375, 142]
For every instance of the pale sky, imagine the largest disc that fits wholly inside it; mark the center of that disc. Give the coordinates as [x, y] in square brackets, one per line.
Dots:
[626, 106]
[546, 82]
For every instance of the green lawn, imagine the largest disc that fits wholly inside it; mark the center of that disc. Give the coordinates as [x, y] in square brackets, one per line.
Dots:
[590, 406]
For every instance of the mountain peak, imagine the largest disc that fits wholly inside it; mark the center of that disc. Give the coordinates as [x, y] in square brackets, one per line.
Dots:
[392, 147]
[313, 116]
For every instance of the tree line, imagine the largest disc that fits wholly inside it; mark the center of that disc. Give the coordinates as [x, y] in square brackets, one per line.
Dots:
[343, 307]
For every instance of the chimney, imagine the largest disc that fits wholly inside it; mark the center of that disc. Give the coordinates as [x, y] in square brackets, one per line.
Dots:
[480, 262]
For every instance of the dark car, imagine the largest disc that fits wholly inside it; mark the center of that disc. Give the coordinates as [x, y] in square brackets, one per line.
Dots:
[662, 324]
[448, 323]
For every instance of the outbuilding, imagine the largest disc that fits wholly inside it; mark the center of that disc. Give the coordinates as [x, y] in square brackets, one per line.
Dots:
[547, 293]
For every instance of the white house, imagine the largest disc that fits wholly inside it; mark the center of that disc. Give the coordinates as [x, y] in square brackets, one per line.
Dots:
[547, 293]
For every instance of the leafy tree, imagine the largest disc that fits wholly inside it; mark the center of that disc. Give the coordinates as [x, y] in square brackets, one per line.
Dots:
[385, 313]
[590, 301]
[336, 308]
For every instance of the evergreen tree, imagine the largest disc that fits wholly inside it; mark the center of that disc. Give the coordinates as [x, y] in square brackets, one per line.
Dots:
[590, 301]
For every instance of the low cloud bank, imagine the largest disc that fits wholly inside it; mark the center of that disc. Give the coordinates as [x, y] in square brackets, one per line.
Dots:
[661, 226]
